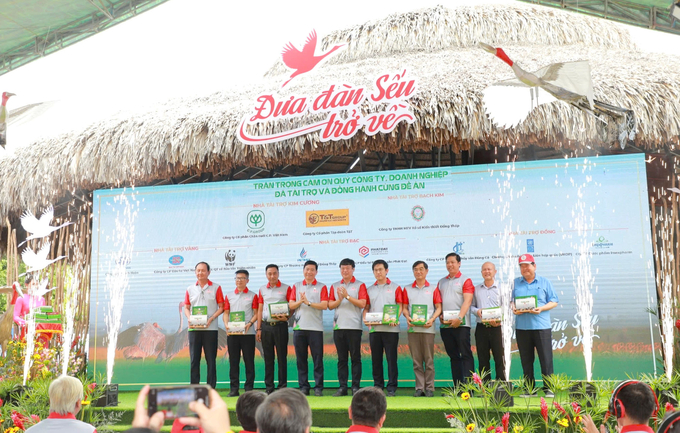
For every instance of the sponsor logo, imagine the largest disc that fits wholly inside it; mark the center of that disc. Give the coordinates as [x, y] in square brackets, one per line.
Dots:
[603, 243]
[230, 257]
[255, 220]
[382, 251]
[327, 218]
[364, 251]
[123, 260]
[304, 256]
[530, 245]
[176, 260]
[458, 248]
[418, 212]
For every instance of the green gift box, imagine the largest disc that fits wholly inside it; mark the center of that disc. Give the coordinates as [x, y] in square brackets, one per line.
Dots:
[419, 315]
[390, 313]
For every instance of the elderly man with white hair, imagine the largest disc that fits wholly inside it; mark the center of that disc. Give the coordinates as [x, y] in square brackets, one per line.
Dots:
[66, 396]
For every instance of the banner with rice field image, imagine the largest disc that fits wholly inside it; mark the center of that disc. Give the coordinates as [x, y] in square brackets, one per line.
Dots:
[399, 216]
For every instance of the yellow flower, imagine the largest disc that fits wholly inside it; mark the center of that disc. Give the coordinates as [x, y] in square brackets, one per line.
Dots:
[85, 402]
[577, 419]
[470, 426]
[563, 422]
[466, 396]
[518, 429]
[36, 356]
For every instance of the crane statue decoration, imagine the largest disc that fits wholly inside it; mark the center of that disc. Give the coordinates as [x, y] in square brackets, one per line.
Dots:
[3, 118]
[39, 228]
[7, 318]
[569, 82]
[37, 261]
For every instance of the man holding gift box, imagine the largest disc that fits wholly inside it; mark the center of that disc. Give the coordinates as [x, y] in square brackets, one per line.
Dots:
[240, 309]
[534, 297]
[421, 306]
[384, 299]
[348, 298]
[457, 291]
[272, 329]
[203, 299]
[488, 334]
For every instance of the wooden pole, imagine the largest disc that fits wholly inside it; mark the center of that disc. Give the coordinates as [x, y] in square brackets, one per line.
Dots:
[655, 245]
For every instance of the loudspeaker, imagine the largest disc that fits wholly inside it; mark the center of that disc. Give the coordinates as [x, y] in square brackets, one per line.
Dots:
[109, 398]
[501, 393]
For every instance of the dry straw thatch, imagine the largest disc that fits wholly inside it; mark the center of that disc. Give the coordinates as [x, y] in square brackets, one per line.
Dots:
[437, 46]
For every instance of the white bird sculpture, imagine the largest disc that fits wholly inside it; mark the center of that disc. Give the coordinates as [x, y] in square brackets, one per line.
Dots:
[39, 227]
[37, 261]
[42, 290]
[509, 102]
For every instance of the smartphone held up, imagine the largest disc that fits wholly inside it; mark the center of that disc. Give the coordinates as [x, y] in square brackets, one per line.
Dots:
[174, 401]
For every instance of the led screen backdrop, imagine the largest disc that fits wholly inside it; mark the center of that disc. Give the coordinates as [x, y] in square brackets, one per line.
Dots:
[398, 216]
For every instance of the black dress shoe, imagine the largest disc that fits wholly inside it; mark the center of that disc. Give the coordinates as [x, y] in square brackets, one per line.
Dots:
[305, 391]
[418, 393]
[340, 392]
[429, 393]
[354, 390]
[269, 391]
[391, 393]
[318, 392]
[233, 394]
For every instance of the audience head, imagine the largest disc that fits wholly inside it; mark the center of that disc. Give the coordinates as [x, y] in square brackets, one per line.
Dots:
[246, 407]
[670, 423]
[66, 395]
[368, 408]
[284, 411]
[634, 400]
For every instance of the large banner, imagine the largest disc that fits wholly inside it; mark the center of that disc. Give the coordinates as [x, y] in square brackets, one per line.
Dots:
[558, 210]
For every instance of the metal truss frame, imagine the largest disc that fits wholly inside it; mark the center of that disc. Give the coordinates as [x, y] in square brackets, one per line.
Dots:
[622, 11]
[108, 14]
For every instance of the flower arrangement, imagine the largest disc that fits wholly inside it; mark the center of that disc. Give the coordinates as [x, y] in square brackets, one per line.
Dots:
[562, 414]
[23, 406]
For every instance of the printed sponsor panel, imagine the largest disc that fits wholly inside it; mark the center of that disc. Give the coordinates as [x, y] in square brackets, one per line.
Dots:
[399, 217]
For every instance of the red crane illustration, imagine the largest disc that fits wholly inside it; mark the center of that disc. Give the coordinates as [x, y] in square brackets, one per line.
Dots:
[305, 60]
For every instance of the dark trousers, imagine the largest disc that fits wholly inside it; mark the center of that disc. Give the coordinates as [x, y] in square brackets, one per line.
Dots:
[314, 341]
[275, 337]
[206, 342]
[389, 343]
[348, 341]
[457, 345]
[541, 340]
[490, 338]
[237, 344]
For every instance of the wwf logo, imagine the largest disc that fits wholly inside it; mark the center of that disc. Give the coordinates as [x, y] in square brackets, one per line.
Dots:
[230, 256]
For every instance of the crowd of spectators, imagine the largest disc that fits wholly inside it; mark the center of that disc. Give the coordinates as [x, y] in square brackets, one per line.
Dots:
[632, 403]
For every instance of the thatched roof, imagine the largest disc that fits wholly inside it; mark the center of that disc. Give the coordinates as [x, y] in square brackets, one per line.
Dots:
[437, 46]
